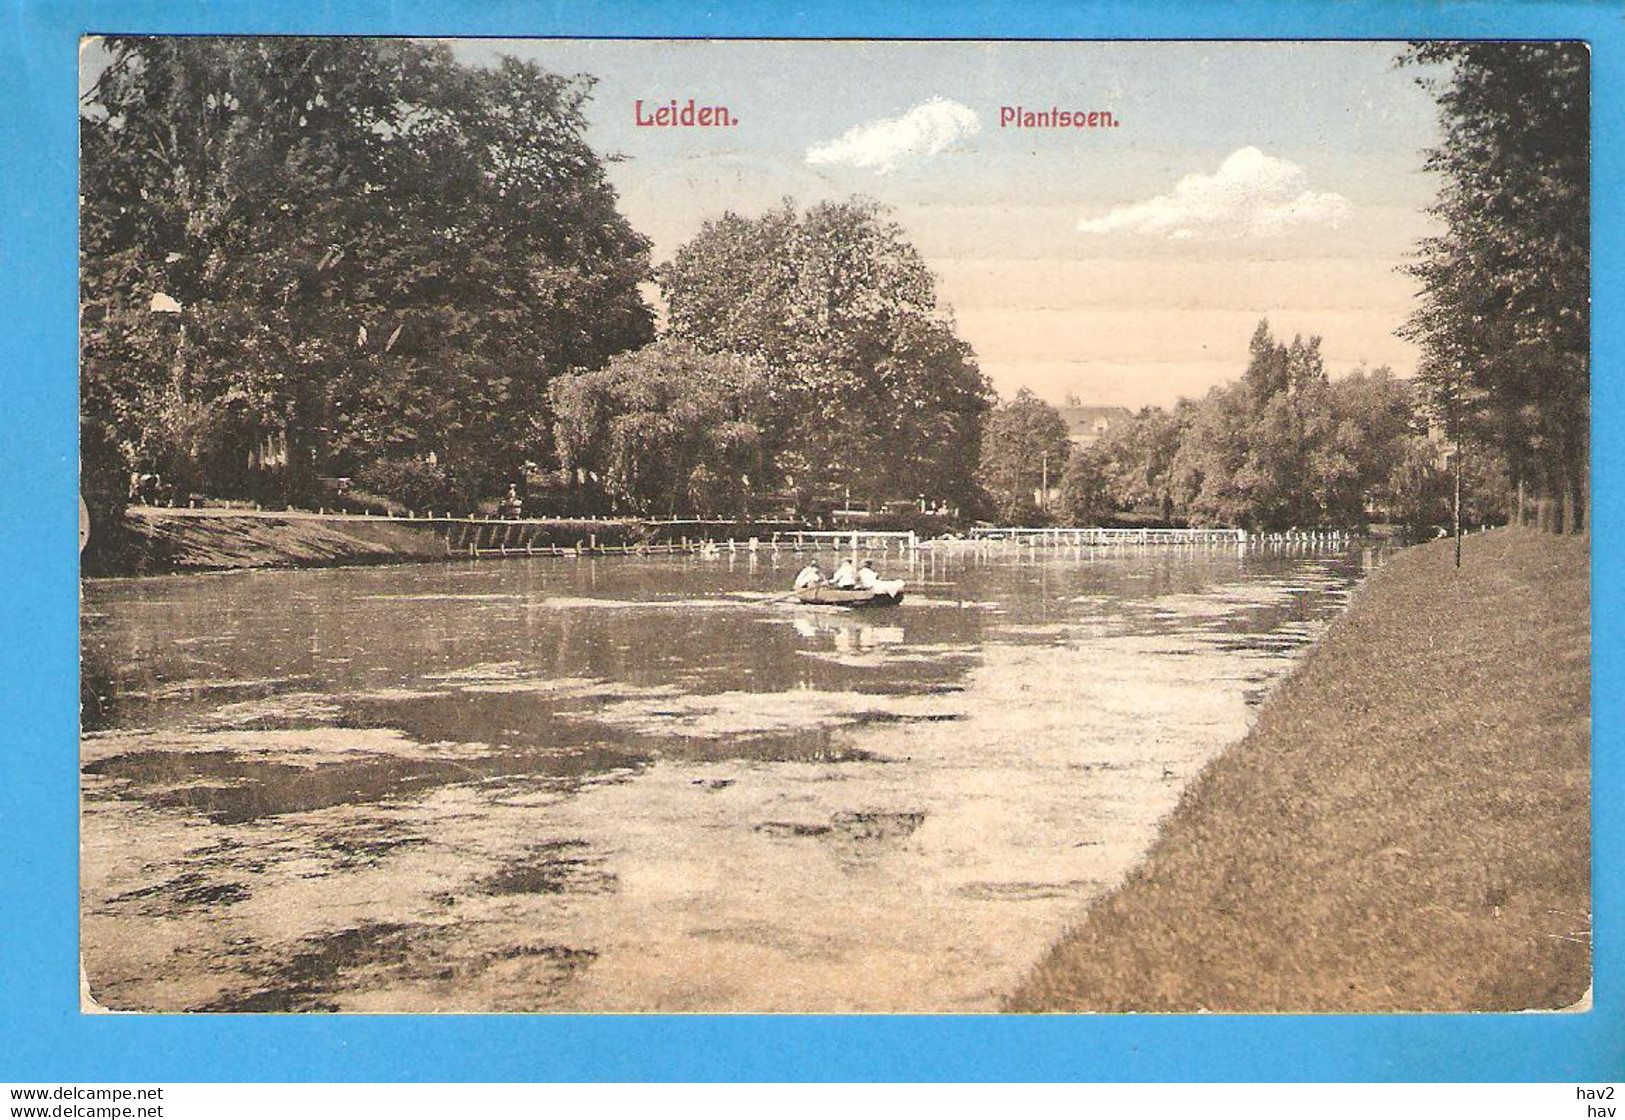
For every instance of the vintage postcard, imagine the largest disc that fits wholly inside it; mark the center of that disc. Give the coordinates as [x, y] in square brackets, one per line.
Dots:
[586, 525]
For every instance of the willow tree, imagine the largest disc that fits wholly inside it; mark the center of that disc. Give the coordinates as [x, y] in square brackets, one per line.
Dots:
[666, 430]
[1504, 315]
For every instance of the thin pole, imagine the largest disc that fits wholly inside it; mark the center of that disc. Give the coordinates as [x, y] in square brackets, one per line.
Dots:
[1457, 503]
[1455, 431]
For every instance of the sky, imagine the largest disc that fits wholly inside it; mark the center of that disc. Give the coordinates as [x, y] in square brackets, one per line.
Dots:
[1121, 266]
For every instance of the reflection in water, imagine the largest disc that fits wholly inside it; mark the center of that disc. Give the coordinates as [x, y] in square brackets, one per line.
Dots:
[645, 783]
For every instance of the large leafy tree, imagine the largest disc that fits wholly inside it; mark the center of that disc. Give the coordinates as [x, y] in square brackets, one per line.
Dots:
[1212, 454]
[1285, 427]
[1366, 423]
[1285, 445]
[1085, 497]
[871, 389]
[1137, 457]
[1024, 447]
[351, 248]
[1504, 318]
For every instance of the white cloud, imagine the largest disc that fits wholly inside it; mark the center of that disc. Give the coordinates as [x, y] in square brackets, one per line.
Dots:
[1251, 195]
[925, 130]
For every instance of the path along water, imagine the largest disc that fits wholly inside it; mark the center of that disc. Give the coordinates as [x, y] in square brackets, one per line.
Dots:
[646, 784]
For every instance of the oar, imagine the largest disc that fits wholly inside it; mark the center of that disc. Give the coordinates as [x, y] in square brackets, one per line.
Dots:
[748, 597]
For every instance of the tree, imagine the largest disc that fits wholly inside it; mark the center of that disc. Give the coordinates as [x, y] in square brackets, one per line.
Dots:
[361, 248]
[1366, 425]
[1267, 374]
[1086, 497]
[872, 391]
[1214, 451]
[1503, 318]
[1284, 425]
[1138, 458]
[1288, 447]
[1024, 441]
[666, 430]
[1419, 492]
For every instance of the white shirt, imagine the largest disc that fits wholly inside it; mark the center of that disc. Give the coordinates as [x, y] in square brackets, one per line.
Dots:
[810, 577]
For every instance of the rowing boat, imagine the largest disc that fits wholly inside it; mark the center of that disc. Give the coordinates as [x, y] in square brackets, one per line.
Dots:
[889, 594]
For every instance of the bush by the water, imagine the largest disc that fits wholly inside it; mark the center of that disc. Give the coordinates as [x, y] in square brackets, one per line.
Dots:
[415, 483]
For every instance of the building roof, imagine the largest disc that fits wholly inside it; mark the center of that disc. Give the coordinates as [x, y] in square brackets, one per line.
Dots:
[1086, 422]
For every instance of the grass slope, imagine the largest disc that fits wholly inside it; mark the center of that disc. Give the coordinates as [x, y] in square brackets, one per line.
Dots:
[1407, 827]
[178, 543]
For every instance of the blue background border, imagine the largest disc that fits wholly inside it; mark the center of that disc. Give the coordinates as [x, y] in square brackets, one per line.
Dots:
[44, 1037]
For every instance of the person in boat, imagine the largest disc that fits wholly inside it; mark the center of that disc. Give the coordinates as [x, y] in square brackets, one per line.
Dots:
[869, 580]
[810, 576]
[845, 575]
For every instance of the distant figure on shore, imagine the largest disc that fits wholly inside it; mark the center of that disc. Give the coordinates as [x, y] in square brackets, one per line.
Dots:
[513, 506]
[810, 576]
[150, 490]
[845, 575]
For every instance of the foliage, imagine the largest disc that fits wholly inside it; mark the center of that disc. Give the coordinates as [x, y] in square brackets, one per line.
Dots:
[1368, 422]
[1284, 446]
[871, 391]
[1287, 447]
[1086, 497]
[666, 430]
[358, 245]
[1137, 457]
[1420, 492]
[416, 484]
[1504, 315]
[1024, 439]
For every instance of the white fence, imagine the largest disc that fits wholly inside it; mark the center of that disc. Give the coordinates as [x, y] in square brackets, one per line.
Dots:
[1074, 538]
[872, 540]
[1082, 538]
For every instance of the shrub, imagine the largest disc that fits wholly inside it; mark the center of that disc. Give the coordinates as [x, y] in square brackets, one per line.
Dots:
[414, 483]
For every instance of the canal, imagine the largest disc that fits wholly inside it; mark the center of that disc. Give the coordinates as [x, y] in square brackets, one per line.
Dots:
[647, 784]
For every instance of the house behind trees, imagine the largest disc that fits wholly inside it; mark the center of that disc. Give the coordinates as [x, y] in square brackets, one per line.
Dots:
[1087, 425]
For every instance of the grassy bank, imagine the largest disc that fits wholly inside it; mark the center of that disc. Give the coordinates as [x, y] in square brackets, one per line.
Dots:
[146, 542]
[149, 540]
[1407, 827]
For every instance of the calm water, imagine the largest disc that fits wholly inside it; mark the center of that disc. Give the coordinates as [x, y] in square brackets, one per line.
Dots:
[646, 784]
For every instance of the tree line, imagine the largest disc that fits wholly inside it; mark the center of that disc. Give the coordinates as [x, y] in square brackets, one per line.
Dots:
[806, 364]
[1503, 318]
[306, 259]
[312, 259]
[1282, 447]
[329, 256]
